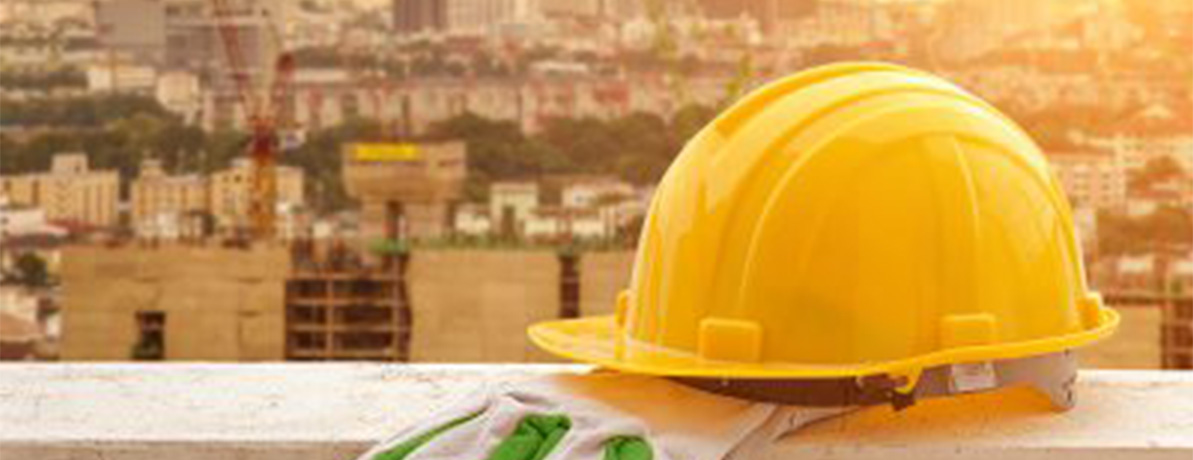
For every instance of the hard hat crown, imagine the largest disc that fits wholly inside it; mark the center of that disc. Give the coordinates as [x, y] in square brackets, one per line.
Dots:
[851, 220]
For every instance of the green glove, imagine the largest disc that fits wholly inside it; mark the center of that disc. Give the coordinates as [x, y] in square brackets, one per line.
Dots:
[532, 439]
[586, 417]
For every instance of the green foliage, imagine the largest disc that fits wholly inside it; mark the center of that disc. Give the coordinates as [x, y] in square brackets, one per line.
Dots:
[637, 147]
[116, 132]
[1157, 171]
[31, 270]
[146, 351]
[1050, 126]
[741, 79]
[388, 247]
[62, 77]
[88, 111]
[122, 146]
[319, 159]
[1166, 228]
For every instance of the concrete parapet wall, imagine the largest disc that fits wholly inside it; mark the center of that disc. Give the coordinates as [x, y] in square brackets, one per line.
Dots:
[219, 304]
[468, 305]
[335, 411]
[475, 305]
[1136, 344]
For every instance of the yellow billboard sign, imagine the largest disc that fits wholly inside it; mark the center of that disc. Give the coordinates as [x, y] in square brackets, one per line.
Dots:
[386, 152]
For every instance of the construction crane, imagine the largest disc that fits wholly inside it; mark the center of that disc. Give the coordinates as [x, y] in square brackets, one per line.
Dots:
[264, 114]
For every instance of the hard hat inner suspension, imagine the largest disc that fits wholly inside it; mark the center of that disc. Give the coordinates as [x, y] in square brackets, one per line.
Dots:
[1051, 374]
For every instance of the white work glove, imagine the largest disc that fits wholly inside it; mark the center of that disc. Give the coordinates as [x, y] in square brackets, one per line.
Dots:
[608, 416]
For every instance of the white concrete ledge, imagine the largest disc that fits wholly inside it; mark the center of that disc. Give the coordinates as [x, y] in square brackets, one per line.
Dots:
[332, 411]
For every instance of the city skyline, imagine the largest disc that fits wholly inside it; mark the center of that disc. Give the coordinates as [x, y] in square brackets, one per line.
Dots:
[124, 138]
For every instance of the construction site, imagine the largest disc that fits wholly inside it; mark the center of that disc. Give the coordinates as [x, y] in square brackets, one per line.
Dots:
[375, 294]
[429, 305]
[380, 296]
[364, 298]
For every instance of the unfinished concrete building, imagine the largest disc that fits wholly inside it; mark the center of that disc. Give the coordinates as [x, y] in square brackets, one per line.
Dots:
[350, 302]
[407, 188]
[173, 302]
[1177, 332]
[337, 308]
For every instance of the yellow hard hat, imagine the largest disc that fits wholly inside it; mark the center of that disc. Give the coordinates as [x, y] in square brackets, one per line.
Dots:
[847, 221]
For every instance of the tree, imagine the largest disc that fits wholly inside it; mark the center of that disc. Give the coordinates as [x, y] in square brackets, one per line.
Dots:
[85, 111]
[637, 147]
[1157, 170]
[319, 159]
[61, 77]
[1166, 228]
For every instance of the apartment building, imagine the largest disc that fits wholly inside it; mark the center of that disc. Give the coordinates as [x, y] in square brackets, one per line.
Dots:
[558, 207]
[511, 204]
[1097, 180]
[69, 191]
[1137, 149]
[560, 223]
[322, 99]
[595, 192]
[231, 190]
[159, 202]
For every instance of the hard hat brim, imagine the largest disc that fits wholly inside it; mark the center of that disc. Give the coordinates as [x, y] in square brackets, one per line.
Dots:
[595, 339]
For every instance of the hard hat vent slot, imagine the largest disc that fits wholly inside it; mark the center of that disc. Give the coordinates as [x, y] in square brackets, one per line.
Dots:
[723, 339]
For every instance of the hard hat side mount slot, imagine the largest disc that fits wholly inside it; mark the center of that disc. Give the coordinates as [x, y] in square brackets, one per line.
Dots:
[723, 339]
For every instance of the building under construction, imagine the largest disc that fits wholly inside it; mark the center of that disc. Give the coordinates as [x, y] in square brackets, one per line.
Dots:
[1176, 336]
[350, 302]
[338, 308]
[405, 190]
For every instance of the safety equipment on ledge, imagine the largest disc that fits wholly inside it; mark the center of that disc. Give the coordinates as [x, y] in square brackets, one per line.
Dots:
[865, 227]
[599, 415]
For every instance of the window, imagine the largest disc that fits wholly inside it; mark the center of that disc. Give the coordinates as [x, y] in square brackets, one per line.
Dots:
[151, 337]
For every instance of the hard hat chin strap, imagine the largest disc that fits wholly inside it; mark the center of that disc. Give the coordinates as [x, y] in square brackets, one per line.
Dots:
[1052, 374]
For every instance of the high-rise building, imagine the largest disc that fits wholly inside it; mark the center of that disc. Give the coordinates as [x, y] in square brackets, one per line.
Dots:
[412, 17]
[70, 191]
[1096, 180]
[184, 34]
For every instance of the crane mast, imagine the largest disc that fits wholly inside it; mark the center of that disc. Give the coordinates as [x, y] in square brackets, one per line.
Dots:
[263, 115]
